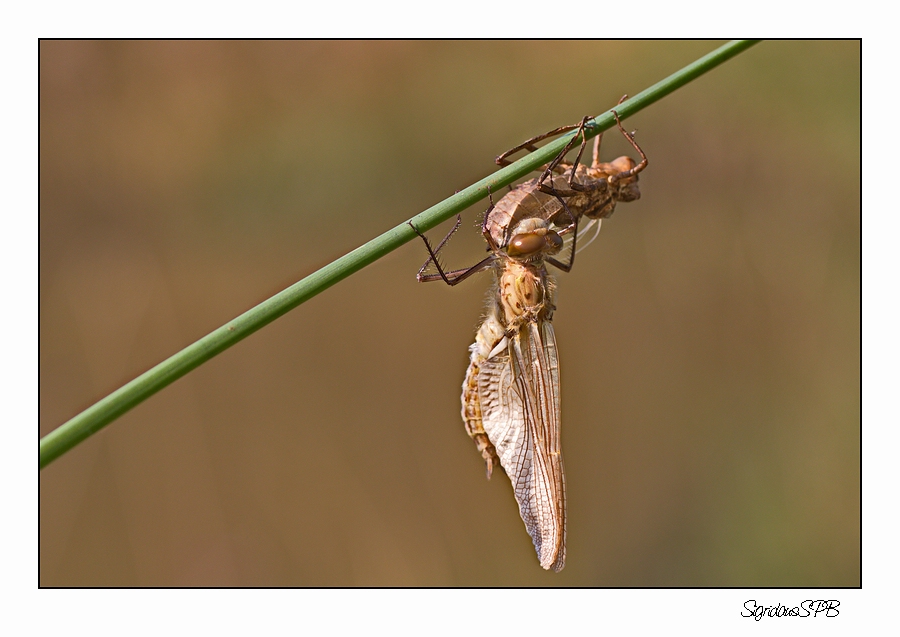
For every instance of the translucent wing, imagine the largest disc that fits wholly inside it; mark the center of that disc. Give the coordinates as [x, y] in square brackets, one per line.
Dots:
[519, 391]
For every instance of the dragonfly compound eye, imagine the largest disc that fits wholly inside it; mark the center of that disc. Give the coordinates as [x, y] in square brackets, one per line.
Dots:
[534, 243]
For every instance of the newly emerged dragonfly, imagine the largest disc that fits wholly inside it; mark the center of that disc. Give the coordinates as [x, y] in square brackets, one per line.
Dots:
[510, 399]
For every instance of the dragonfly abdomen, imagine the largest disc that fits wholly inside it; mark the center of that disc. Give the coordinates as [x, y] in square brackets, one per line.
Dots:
[490, 333]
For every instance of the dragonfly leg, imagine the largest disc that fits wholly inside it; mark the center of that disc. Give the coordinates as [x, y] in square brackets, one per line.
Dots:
[572, 228]
[454, 276]
[574, 187]
[559, 158]
[596, 154]
[633, 171]
[440, 245]
[492, 245]
[529, 144]
[567, 267]
[596, 157]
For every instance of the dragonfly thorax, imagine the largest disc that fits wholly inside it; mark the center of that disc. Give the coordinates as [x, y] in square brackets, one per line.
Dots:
[525, 293]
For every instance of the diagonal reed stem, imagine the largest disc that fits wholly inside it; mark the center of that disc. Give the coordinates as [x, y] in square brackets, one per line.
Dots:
[94, 418]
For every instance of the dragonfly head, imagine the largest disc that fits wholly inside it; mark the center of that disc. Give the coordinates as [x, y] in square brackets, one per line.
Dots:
[533, 240]
[625, 187]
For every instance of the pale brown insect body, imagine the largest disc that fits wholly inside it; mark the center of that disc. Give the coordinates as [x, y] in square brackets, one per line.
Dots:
[510, 398]
[511, 391]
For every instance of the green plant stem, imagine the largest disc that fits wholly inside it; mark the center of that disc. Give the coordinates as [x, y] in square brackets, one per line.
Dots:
[138, 390]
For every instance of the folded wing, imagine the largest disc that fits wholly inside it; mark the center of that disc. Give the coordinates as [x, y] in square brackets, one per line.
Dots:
[519, 391]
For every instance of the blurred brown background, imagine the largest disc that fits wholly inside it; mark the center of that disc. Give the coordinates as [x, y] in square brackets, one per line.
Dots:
[709, 339]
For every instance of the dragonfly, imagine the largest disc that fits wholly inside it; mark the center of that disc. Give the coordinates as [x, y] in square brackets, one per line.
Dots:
[511, 392]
